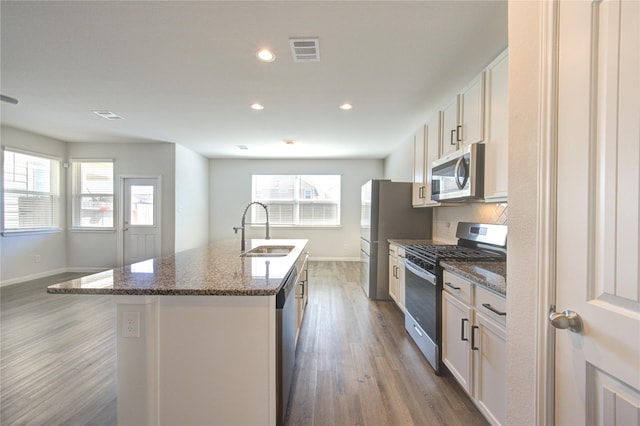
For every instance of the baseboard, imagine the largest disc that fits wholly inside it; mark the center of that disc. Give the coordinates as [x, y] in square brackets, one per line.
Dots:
[88, 270]
[335, 259]
[30, 277]
[18, 280]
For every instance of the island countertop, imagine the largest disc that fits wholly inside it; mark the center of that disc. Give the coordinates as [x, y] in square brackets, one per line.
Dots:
[215, 269]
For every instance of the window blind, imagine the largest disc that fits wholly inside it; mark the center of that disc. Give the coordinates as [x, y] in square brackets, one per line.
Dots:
[30, 192]
[306, 200]
[93, 185]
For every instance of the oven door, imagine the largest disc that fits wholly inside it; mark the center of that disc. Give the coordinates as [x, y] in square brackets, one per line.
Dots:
[421, 297]
[421, 320]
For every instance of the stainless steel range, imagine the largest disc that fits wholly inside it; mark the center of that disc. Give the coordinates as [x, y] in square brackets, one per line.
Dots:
[423, 280]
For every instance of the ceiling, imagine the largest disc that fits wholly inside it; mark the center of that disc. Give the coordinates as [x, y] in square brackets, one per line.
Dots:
[186, 72]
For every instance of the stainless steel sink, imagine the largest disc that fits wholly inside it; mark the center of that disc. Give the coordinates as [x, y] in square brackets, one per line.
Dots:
[268, 251]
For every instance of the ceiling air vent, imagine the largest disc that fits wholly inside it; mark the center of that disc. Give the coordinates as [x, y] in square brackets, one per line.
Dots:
[305, 49]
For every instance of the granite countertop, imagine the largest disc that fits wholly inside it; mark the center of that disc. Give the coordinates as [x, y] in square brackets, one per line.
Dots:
[213, 270]
[492, 275]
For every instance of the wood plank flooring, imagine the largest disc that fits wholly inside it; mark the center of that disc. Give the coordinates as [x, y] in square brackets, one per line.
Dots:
[57, 356]
[355, 366]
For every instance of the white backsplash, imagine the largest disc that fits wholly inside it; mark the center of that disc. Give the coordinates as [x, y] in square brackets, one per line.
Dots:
[445, 219]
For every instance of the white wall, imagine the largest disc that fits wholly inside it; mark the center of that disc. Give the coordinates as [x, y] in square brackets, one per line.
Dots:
[524, 134]
[398, 166]
[18, 251]
[98, 249]
[192, 199]
[230, 189]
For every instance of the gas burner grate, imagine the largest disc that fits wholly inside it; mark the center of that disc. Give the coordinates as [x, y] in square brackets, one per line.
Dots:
[434, 253]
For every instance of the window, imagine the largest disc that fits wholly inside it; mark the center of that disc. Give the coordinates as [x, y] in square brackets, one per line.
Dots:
[30, 192]
[297, 200]
[93, 194]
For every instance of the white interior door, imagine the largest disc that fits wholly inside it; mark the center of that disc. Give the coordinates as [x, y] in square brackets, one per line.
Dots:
[141, 227]
[597, 376]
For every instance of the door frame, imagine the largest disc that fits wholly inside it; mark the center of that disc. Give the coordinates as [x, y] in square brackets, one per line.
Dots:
[547, 211]
[122, 214]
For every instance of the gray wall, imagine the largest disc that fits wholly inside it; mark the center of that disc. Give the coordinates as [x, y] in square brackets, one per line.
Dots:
[98, 249]
[18, 251]
[230, 192]
[184, 212]
[192, 199]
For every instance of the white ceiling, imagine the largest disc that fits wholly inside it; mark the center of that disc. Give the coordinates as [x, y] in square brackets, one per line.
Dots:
[186, 72]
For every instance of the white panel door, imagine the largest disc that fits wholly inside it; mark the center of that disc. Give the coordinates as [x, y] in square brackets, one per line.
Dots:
[597, 376]
[141, 226]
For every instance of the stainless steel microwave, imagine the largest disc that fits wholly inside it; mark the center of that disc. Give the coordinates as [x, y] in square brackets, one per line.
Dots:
[459, 176]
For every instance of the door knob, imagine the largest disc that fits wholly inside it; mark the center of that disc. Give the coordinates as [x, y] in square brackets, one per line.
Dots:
[566, 319]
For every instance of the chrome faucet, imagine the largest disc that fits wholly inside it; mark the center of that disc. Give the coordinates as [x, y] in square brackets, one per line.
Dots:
[242, 227]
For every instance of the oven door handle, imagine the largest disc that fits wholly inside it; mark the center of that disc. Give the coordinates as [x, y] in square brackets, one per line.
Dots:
[429, 277]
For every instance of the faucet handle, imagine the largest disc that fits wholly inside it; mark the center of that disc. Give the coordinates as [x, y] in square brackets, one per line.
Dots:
[237, 228]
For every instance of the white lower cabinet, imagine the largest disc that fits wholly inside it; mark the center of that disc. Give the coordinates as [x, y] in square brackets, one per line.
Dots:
[474, 344]
[456, 354]
[396, 275]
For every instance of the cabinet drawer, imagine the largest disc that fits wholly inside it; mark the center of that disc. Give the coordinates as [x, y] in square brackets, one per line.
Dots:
[491, 305]
[457, 286]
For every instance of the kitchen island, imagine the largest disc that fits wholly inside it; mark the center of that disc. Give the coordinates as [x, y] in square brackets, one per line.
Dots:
[197, 333]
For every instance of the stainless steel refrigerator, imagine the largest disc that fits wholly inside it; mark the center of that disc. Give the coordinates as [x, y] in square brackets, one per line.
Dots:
[386, 212]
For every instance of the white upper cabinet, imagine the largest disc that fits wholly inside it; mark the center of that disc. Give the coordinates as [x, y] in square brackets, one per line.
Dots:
[471, 126]
[426, 149]
[463, 118]
[450, 127]
[496, 177]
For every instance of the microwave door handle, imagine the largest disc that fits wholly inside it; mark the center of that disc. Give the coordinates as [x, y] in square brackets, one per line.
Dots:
[459, 164]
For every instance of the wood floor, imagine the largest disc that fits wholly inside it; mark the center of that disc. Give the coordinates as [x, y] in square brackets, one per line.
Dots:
[355, 364]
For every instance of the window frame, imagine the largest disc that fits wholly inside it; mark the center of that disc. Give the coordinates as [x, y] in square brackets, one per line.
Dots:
[77, 195]
[54, 182]
[297, 201]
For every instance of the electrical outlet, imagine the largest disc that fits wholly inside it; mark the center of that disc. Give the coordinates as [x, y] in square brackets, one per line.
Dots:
[37, 258]
[130, 324]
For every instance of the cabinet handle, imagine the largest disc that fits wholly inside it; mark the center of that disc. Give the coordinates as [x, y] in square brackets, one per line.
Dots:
[459, 133]
[473, 337]
[452, 141]
[448, 284]
[464, 339]
[494, 310]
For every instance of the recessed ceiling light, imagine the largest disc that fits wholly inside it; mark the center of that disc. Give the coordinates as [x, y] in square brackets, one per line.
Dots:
[265, 55]
[243, 147]
[346, 106]
[108, 115]
[257, 106]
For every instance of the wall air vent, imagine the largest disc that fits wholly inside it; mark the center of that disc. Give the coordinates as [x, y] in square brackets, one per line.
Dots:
[108, 115]
[305, 49]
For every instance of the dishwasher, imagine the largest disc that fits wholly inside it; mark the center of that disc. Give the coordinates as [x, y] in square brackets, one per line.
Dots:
[286, 324]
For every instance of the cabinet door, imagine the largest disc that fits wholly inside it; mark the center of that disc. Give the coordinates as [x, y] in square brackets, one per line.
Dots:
[456, 318]
[432, 142]
[393, 280]
[497, 130]
[419, 158]
[471, 129]
[400, 283]
[489, 363]
[449, 128]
